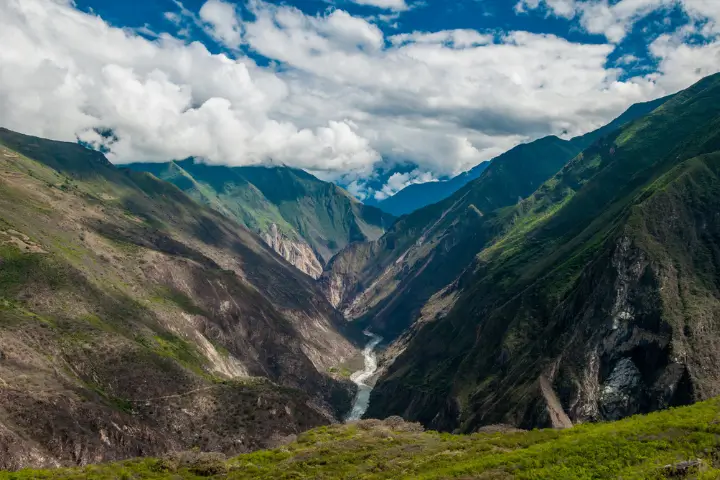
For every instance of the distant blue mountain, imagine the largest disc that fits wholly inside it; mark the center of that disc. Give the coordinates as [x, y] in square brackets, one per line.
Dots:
[420, 195]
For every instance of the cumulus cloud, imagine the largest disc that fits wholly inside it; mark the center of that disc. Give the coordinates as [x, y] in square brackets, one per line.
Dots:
[70, 75]
[221, 19]
[338, 98]
[398, 181]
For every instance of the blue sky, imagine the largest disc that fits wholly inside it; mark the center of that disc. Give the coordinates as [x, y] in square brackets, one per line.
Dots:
[372, 94]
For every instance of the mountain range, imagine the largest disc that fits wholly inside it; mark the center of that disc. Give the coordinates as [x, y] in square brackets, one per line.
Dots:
[134, 320]
[155, 308]
[590, 294]
[307, 221]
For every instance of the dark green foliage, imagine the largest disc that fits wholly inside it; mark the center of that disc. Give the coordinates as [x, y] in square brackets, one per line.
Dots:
[618, 246]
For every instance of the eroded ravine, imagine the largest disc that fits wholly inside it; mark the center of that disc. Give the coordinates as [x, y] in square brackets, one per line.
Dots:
[362, 398]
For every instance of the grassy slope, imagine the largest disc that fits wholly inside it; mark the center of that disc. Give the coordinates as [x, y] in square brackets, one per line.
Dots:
[301, 206]
[635, 448]
[541, 297]
[223, 189]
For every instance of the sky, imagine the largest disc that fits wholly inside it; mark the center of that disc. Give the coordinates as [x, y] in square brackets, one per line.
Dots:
[372, 94]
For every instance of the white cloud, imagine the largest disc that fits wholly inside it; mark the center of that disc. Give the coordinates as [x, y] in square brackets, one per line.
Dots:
[338, 96]
[445, 100]
[222, 22]
[69, 73]
[397, 5]
[461, 38]
[398, 181]
[614, 20]
[628, 59]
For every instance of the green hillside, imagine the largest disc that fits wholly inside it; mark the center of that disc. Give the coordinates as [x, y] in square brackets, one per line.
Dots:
[678, 443]
[303, 209]
[595, 298]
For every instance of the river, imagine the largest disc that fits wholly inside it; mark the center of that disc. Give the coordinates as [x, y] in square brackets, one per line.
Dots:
[362, 399]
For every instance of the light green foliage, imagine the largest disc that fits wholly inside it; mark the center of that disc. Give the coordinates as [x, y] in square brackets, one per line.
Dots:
[635, 448]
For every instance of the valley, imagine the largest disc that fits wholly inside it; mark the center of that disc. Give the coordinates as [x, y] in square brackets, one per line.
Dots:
[361, 377]
[161, 308]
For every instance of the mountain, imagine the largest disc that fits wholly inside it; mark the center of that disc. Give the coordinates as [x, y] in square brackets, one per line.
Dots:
[135, 321]
[673, 444]
[594, 298]
[304, 219]
[387, 283]
[416, 196]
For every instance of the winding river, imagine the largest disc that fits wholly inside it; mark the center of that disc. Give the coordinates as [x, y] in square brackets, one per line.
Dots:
[362, 399]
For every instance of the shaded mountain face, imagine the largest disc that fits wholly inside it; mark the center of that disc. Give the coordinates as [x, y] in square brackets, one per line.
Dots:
[387, 283]
[414, 197]
[304, 219]
[134, 320]
[594, 298]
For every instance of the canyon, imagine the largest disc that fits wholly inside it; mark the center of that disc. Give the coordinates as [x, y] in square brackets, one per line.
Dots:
[158, 308]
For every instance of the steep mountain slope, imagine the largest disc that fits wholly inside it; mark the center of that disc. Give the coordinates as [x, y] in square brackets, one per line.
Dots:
[418, 196]
[387, 283]
[597, 297]
[304, 219]
[135, 321]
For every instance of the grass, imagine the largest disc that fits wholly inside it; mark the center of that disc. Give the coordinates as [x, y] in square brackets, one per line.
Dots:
[173, 296]
[637, 447]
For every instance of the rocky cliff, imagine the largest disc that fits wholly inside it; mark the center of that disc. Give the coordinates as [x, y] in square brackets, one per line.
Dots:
[297, 253]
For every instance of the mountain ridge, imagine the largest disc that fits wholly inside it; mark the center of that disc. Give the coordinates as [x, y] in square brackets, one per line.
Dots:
[582, 301]
[416, 196]
[135, 321]
[305, 220]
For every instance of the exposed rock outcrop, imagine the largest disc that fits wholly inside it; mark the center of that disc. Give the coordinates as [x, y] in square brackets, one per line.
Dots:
[297, 253]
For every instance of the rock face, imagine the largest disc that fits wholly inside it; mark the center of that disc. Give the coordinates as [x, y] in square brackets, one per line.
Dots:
[307, 221]
[594, 298]
[298, 254]
[135, 321]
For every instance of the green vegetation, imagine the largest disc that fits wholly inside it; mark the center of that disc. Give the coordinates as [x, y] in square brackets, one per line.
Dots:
[176, 297]
[341, 370]
[614, 248]
[640, 447]
[301, 207]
